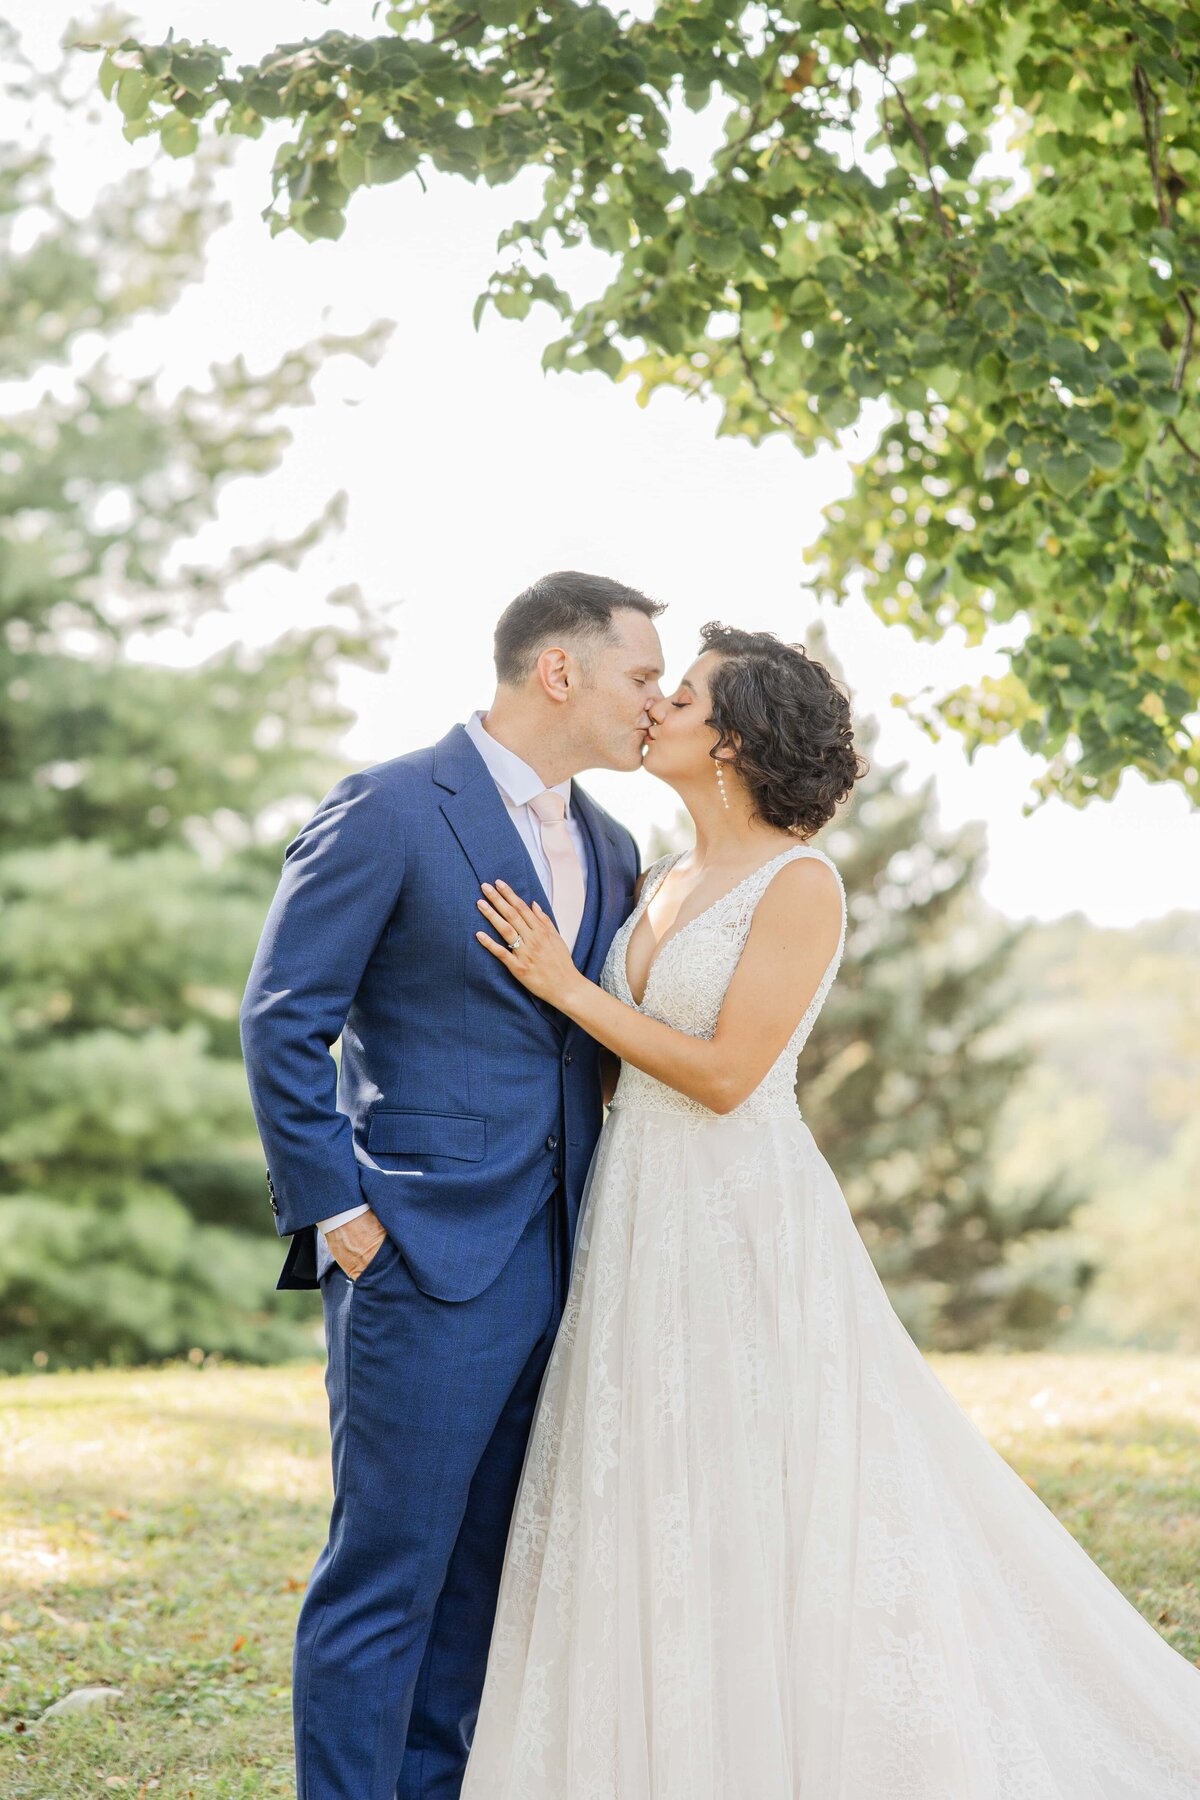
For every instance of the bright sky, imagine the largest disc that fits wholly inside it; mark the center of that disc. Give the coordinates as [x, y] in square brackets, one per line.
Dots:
[469, 473]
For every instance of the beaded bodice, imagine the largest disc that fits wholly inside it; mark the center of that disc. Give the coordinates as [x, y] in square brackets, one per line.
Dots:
[686, 986]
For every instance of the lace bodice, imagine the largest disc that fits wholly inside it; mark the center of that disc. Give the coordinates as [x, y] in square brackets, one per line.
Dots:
[688, 978]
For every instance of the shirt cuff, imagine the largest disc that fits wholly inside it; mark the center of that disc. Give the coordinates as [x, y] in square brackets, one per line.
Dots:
[351, 1212]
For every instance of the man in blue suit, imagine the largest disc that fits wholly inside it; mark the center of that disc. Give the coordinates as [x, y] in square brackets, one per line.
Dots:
[431, 1184]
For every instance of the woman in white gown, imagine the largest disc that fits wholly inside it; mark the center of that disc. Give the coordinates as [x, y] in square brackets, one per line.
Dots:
[758, 1552]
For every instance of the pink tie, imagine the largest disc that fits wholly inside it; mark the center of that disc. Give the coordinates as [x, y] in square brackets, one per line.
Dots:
[566, 875]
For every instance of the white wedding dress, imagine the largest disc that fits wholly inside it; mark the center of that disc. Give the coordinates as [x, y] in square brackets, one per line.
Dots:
[759, 1553]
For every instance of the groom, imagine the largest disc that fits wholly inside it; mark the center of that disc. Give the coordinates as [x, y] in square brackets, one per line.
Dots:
[431, 1185]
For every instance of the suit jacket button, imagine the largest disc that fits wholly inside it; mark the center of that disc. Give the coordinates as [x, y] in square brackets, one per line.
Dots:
[567, 1059]
[552, 1142]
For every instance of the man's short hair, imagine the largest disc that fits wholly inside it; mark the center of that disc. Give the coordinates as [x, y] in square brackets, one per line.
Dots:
[560, 608]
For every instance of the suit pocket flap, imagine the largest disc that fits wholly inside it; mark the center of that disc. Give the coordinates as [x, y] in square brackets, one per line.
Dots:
[426, 1134]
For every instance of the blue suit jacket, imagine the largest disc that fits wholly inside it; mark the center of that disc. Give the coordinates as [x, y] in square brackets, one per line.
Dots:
[461, 1099]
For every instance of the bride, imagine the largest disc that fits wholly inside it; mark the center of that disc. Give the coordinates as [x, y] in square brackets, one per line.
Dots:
[758, 1552]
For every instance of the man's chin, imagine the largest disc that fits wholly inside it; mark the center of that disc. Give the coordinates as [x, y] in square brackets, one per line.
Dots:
[625, 761]
[628, 762]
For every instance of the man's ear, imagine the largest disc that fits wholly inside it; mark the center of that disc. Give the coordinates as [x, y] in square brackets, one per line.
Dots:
[555, 672]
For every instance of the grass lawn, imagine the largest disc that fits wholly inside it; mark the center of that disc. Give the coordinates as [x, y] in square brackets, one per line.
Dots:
[157, 1528]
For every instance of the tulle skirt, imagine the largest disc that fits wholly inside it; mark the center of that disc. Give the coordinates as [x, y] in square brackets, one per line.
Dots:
[759, 1553]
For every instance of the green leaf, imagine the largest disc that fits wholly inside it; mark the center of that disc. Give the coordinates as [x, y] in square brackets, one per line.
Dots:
[179, 135]
[1046, 296]
[322, 222]
[388, 161]
[196, 70]
[1106, 453]
[607, 358]
[511, 303]
[995, 459]
[1178, 699]
[352, 165]
[156, 59]
[1187, 580]
[109, 75]
[1154, 365]
[1067, 474]
[267, 101]
[133, 94]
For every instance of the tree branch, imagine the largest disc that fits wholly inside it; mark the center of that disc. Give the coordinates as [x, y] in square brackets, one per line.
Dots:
[1174, 431]
[879, 55]
[1147, 105]
[1148, 109]
[459, 25]
[784, 420]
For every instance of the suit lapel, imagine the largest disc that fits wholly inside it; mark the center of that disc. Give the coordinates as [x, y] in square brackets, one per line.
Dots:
[585, 936]
[474, 809]
[480, 821]
[476, 813]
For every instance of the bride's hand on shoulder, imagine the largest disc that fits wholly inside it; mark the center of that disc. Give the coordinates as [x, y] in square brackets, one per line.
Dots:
[541, 962]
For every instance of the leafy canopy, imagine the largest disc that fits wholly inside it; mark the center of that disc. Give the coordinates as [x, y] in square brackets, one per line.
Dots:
[1026, 323]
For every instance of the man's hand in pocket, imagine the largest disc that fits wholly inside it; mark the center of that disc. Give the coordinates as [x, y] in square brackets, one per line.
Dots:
[354, 1245]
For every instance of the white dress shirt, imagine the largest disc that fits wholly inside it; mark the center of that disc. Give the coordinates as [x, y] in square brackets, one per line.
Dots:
[518, 785]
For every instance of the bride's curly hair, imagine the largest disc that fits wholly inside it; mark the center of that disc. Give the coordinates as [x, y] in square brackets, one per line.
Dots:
[795, 749]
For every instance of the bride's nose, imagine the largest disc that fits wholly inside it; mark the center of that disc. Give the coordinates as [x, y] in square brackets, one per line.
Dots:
[656, 718]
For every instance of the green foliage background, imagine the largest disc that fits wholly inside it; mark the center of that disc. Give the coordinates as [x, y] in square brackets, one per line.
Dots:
[1023, 331]
[142, 808]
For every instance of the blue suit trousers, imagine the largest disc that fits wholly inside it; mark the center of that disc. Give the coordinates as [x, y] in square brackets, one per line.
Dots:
[430, 1407]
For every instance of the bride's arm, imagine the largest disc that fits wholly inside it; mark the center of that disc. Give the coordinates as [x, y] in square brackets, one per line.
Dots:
[793, 936]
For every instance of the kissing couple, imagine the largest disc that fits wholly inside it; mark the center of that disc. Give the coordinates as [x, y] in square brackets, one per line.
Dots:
[641, 1489]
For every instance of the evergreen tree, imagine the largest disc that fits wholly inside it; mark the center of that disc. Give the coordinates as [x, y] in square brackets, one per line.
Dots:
[908, 1069]
[134, 874]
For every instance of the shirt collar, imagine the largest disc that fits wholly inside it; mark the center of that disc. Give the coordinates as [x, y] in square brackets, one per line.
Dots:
[516, 779]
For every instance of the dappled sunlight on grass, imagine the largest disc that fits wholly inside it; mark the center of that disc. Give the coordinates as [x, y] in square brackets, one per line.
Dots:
[156, 1534]
[157, 1529]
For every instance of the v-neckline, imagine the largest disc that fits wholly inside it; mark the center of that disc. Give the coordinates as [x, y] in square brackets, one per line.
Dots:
[646, 898]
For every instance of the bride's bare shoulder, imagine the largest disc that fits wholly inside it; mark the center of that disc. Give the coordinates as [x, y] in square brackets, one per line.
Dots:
[811, 883]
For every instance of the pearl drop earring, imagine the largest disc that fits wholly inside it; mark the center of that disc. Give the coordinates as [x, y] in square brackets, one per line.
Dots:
[721, 781]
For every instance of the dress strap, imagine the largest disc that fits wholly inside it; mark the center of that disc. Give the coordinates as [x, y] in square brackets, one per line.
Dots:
[654, 875]
[751, 892]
